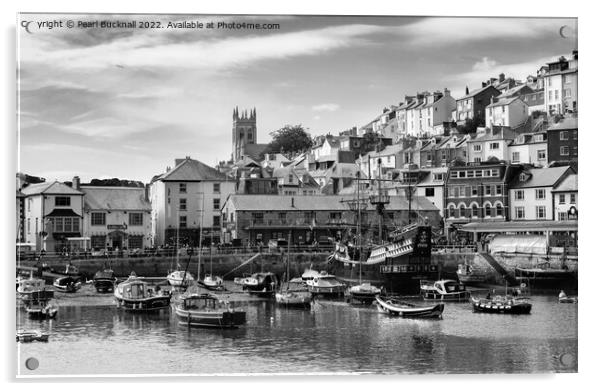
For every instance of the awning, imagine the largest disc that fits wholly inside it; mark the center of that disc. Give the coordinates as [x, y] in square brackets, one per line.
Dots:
[62, 213]
[519, 244]
[521, 226]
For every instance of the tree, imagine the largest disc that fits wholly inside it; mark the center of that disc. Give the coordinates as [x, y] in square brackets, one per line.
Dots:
[289, 140]
[371, 142]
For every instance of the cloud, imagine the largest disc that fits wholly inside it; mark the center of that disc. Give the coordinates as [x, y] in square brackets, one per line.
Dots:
[484, 65]
[326, 107]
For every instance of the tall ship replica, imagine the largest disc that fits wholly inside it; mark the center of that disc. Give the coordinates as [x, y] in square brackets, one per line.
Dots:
[396, 261]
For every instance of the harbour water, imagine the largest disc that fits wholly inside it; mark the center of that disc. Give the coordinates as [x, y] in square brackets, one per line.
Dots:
[331, 337]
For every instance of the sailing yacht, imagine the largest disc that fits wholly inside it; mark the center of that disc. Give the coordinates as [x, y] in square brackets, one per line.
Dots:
[210, 281]
[293, 296]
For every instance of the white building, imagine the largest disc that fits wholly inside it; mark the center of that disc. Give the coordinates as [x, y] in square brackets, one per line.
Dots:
[274, 160]
[490, 143]
[185, 199]
[530, 193]
[510, 112]
[560, 85]
[53, 214]
[432, 187]
[117, 217]
[566, 204]
[530, 148]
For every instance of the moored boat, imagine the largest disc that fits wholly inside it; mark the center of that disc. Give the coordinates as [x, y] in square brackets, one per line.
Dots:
[67, 284]
[468, 274]
[104, 280]
[325, 284]
[196, 309]
[407, 310]
[564, 298]
[31, 335]
[501, 305]
[135, 294]
[364, 293]
[262, 284]
[294, 298]
[443, 290]
[212, 282]
[33, 289]
[180, 278]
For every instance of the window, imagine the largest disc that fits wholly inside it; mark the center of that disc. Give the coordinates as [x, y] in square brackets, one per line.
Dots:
[182, 203]
[335, 215]
[499, 210]
[452, 211]
[475, 211]
[98, 218]
[487, 210]
[62, 201]
[564, 135]
[515, 157]
[519, 212]
[135, 241]
[36, 231]
[476, 147]
[216, 203]
[540, 212]
[498, 189]
[438, 177]
[462, 191]
[182, 188]
[494, 146]
[216, 221]
[474, 191]
[28, 225]
[429, 192]
[454, 174]
[487, 190]
[462, 211]
[486, 173]
[216, 188]
[573, 199]
[562, 216]
[495, 172]
[561, 199]
[519, 194]
[567, 92]
[469, 174]
[540, 194]
[549, 95]
[257, 217]
[564, 151]
[67, 226]
[541, 154]
[456, 192]
[135, 219]
[183, 222]
[556, 94]
[29, 205]
[462, 174]
[98, 241]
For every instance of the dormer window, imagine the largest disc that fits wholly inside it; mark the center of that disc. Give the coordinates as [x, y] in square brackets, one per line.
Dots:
[523, 177]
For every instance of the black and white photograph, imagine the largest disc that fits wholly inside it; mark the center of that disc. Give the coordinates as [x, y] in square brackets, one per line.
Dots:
[203, 194]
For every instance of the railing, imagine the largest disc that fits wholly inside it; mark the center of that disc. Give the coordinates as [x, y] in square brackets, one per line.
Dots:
[452, 248]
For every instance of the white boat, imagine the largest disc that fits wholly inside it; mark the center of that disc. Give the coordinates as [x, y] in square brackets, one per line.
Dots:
[408, 310]
[293, 294]
[33, 289]
[213, 282]
[364, 293]
[195, 309]
[180, 278]
[67, 284]
[443, 290]
[31, 335]
[325, 284]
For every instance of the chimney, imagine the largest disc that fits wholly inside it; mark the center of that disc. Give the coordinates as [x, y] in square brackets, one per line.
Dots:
[446, 92]
[483, 84]
[467, 92]
[292, 202]
[502, 77]
[76, 183]
[575, 54]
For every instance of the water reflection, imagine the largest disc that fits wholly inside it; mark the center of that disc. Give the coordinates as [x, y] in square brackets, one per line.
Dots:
[331, 336]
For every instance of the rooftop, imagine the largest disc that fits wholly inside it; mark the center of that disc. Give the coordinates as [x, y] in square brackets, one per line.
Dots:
[568, 184]
[193, 170]
[55, 187]
[521, 226]
[539, 177]
[565, 124]
[115, 198]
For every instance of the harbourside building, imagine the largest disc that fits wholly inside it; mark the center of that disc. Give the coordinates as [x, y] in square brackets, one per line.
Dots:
[117, 217]
[257, 219]
[52, 215]
[185, 200]
[563, 146]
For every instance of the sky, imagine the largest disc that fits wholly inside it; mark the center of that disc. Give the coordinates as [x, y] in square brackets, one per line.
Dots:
[122, 102]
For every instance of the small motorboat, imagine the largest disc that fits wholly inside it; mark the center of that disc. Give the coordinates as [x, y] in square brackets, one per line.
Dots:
[137, 295]
[67, 284]
[104, 280]
[443, 290]
[563, 298]
[29, 289]
[407, 310]
[42, 309]
[180, 278]
[294, 298]
[502, 305]
[325, 284]
[213, 283]
[262, 284]
[467, 274]
[195, 309]
[31, 335]
[364, 293]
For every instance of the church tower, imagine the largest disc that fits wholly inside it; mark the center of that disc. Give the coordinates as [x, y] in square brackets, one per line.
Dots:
[244, 131]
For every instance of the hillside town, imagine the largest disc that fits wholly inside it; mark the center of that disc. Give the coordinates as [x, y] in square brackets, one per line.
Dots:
[500, 159]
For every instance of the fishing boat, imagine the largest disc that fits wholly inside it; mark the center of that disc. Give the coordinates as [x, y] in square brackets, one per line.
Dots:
[31, 335]
[212, 282]
[443, 290]
[293, 295]
[42, 309]
[407, 310]
[33, 289]
[67, 284]
[196, 309]
[104, 280]
[467, 274]
[262, 284]
[135, 294]
[501, 305]
[326, 285]
[180, 278]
